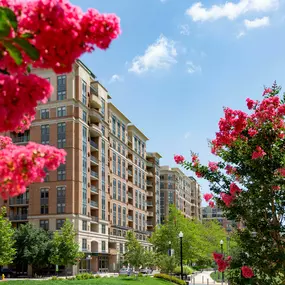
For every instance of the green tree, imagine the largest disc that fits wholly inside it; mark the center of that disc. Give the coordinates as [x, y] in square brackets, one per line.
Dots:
[134, 251]
[166, 263]
[149, 259]
[65, 248]
[7, 242]
[33, 246]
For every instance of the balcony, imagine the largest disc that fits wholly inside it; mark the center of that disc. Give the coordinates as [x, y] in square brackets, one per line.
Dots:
[22, 217]
[149, 183]
[130, 172]
[149, 174]
[94, 160]
[94, 190]
[93, 204]
[95, 116]
[95, 130]
[130, 218]
[149, 223]
[94, 175]
[130, 195]
[18, 201]
[149, 204]
[21, 139]
[94, 219]
[112, 251]
[95, 101]
[94, 145]
[149, 193]
[150, 214]
[149, 164]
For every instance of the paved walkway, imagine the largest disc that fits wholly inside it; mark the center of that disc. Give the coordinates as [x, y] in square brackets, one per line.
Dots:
[203, 278]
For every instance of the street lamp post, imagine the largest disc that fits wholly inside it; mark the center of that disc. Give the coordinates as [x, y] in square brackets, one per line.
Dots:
[169, 253]
[222, 251]
[181, 262]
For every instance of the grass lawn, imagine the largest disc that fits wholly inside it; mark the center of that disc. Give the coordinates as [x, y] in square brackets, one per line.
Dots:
[98, 281]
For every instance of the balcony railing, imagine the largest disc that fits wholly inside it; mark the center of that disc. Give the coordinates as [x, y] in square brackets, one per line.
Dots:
[149, 204]
[94, 174]
[94, 189]
[94, 204]
[94, 219]
[93, 144]
[150, 214]
[130, 195]
[149, 193]
[149, 223]
[94, 159]
[21, 217]
[130, 218]
[149, 183]
[21, 139]
[130, 172]
[18, 201]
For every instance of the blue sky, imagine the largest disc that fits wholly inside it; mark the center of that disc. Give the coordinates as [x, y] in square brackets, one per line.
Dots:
[177, 63]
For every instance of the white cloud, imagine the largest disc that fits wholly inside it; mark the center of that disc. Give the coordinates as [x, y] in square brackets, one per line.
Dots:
[116, 78]
[192, 68]
[229, 10]
[257, 23]
[187, 135]
[159, 55]
[185, 30]
[240, 34]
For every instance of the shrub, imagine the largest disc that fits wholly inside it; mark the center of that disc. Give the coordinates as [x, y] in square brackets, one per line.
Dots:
[186, 270]
[140, 274]
[97, 276]
[55, 278]
[170, 278]
[84, 276]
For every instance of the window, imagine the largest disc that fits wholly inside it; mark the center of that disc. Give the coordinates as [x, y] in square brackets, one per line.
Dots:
[84, 88]
[103, 106]
[119, 147]
[137, 221]
[114, 144]
[114, 125]
[140, 200]
[45, 114]
[123, 151]
[119, 216]
[123, 132]
[103, 246]
[114, 163]
[119, 166]
[103, 130]
[61, 135]
[61, 87]
[124, 193]
[114, 189]
[61, 173]
[103, 229]
[121, 248]
[61, 111]
[59, 224]
[124, 169]
[84, 244]
[119, 190]
[119, 129]
[61, 200]
[114, 214]
[124, 217]
[45, 134]
[44, 201]
[137, 198]
[44, 224]
[84, 225]
[84, 116]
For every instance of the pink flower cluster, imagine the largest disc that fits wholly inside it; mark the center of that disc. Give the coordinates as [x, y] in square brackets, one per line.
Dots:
[229, 198]
[19, 95]
[21, 166]
[230, 169]
[179, 159]
[208, 197]
[247, 272]
[72, 32]
[213, 166]
[258, 153]
[222, 263]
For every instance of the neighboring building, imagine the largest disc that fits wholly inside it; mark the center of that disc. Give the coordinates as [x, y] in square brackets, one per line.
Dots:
[180, 190]
[102, 188]
[210, 214]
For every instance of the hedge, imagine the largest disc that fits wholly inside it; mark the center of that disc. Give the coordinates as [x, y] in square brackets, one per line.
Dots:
[170, 278]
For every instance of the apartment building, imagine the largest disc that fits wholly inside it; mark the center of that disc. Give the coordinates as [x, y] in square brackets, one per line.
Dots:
[216, 214]
[102, 187]
[180, 190]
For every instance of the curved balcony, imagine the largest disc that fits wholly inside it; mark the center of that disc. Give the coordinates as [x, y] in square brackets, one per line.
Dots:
[95, 101]
[95, 116]
[95, 130]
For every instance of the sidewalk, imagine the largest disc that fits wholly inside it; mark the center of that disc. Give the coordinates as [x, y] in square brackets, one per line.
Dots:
[203, 278]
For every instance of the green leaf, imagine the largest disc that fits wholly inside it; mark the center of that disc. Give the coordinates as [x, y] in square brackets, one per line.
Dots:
[29, 49]
[11, 17]
[14, 52]
[27, 36]
[4, 26]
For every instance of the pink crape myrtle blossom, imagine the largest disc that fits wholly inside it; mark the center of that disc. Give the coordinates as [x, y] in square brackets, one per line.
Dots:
[252, 132]
[230, 169]
[258, 153]
[222, 263]
[179, 158]
[234, 189]
[23, 165]
[267, 91]
[227, 199]
[211, 204]
[213, 166]
[208, 197]
[276, 187]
